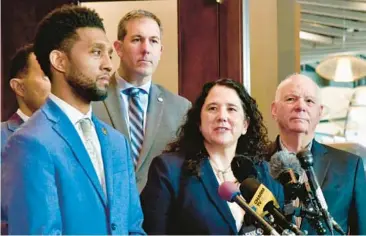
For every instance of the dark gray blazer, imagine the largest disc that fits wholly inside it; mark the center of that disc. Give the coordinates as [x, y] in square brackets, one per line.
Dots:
[165, 114]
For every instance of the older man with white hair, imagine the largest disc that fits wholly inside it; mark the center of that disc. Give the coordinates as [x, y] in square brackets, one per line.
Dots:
[297, 109]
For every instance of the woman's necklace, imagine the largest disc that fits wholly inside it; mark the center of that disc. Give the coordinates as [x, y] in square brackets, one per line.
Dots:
[223, 175]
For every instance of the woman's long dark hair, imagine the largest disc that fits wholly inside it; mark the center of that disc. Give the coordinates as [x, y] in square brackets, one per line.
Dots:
[190, 142]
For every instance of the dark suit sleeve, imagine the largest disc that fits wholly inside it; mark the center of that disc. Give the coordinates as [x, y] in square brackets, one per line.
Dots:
[357, 218]
[29, 194]
[135, 212]
[157, 198]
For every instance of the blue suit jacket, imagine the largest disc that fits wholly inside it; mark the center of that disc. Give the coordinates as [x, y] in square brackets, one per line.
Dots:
[342, 179]
[174, 203]
[8, 128]
[50, 186]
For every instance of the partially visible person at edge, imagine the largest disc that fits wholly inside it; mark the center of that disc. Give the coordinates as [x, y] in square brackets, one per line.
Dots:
[181, 194]
[297, 110]
[65, 171]
[31, 88]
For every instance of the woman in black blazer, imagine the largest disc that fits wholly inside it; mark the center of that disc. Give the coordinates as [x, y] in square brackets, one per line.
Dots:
[181, 195]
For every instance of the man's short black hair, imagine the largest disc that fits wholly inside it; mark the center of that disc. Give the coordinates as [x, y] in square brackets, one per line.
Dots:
[57, 30]
[19, 62]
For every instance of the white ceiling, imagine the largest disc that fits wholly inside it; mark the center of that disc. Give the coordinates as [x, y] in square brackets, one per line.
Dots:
[332, 27]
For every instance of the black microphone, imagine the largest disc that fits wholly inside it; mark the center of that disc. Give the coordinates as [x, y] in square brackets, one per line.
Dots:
[228, 191]
[306, 160]
[262, 201]
[243, 168]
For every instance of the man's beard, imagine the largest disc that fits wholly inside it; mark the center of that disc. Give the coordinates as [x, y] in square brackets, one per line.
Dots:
[82, 87]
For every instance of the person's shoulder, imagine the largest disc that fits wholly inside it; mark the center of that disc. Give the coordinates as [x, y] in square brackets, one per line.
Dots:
[336, 153]
[4, 126]
[36, 126]
[26, 137]
[173, 98]
[173, 158]
[171, 161]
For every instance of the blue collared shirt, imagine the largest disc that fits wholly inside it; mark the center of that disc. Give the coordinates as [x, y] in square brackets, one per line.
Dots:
[122, 86]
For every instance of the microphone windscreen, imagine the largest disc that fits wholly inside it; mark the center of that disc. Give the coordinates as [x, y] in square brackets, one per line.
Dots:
[282, 161]
[228, 190]
[243, 168]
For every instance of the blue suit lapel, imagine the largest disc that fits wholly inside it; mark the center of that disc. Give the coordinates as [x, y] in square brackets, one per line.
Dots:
[64, 127]
[106, 148]
[211, 186]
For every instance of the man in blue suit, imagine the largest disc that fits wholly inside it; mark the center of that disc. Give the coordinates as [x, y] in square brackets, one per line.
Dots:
[31, 88]
[65, 171]
[297, 109]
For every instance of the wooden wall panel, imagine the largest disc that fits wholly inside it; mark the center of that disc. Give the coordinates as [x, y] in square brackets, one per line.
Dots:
[210, 43]
[198, 45]
[231, 45]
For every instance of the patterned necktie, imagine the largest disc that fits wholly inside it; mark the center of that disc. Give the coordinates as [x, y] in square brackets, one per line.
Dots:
[136, 116]
[90, 145]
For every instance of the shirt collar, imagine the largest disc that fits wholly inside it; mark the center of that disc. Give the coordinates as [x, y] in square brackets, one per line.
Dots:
[71, 112]
[123, 85]
[283, 148]
[23, 116]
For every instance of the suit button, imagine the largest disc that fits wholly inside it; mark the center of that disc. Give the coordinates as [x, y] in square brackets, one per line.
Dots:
[113, 226]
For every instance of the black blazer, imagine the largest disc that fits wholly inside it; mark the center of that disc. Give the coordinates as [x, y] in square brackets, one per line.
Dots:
[342, 178]
[174, 204]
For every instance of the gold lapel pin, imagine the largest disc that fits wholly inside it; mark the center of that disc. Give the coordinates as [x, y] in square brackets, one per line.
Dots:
[104, 130]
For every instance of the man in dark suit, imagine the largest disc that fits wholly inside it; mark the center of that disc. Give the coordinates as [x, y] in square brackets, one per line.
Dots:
[31, 88]
[297, 109]
[65, 171]
[160, 112]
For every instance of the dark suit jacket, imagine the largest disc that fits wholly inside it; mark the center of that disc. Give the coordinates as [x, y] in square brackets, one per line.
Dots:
[174, 203]
[8, 127]
[49, 185]
[342, 179]
[165, 114]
